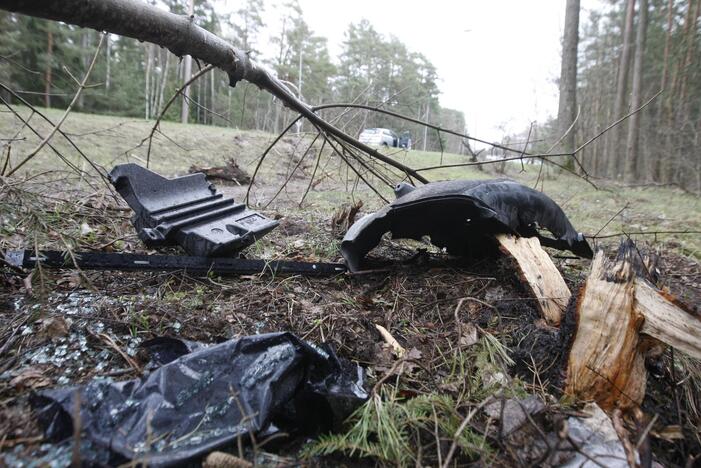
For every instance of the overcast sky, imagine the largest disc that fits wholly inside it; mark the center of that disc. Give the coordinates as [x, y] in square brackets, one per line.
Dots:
[498, 60]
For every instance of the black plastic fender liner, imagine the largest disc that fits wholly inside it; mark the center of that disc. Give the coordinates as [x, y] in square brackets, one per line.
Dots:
[187, 211]
[460, 215]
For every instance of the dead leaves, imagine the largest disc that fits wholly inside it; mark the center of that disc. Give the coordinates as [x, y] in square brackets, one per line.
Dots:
[30, 379]
[344, 218]
[468, 334]
[51, 328]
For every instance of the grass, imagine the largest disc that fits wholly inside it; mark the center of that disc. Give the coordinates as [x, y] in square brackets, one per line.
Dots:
[396, 430]
[389, 429]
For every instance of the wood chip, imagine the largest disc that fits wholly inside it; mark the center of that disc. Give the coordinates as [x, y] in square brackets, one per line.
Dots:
[539, 273]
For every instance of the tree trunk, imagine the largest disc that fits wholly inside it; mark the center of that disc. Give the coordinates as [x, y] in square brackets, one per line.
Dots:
[658, 162]
[107, 61]
[49, 63]
[196, 99]
[211, 96]
[690, 50]
[155, 81]
[670, 169]
[187, 67]
[164, 81]
[85, 59]
[634, 166]
[147, 78]
[614, 162]
[567, 109]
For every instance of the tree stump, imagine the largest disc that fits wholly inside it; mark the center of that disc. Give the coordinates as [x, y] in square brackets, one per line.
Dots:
[620, 319]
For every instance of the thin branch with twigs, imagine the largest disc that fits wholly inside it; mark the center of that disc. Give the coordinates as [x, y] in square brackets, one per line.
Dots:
[167, 106]
[99, 170]
[81, 87]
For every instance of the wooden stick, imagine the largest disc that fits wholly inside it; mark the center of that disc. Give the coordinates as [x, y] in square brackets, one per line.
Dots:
[666, 321]
[539, 273]
[398, 350]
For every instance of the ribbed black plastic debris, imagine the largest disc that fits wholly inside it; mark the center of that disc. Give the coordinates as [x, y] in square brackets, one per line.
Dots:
[187, 211]
[462, 216]
[204, 397]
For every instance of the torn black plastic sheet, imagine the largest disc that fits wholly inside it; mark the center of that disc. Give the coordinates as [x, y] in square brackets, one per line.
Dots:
[462, 216]
[204, 397]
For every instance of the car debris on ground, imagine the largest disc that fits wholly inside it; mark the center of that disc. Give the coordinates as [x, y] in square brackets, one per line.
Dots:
[187, 211]
[193, 398]
[462, 217]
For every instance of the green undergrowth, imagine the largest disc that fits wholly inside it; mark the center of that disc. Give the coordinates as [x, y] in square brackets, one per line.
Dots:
[386, 427]
[395, 428]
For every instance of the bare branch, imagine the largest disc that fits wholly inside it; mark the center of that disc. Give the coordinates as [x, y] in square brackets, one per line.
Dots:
[179, 34]
[167, 106]
[99, 170]
[65, 114]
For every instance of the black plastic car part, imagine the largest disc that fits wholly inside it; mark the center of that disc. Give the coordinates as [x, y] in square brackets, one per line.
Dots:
[187, 211]
[193, 265]
[463, 216]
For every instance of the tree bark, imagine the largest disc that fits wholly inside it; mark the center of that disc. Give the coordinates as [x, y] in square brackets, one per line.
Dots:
[657, 163]
[108, 58]
[567, 108]
[49, 63]
[614, 162]
[179, 34]
[187, 73]
[634, 167]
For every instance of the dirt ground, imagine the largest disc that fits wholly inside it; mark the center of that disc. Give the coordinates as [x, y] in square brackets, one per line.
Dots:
[470, 329]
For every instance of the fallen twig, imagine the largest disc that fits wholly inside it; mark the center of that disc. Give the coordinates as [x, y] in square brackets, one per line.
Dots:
[398, 350]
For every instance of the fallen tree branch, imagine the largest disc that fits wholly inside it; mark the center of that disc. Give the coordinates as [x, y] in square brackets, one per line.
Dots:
[179, 34]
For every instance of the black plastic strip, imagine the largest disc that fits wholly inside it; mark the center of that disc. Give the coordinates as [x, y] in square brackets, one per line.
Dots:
[193, 265]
